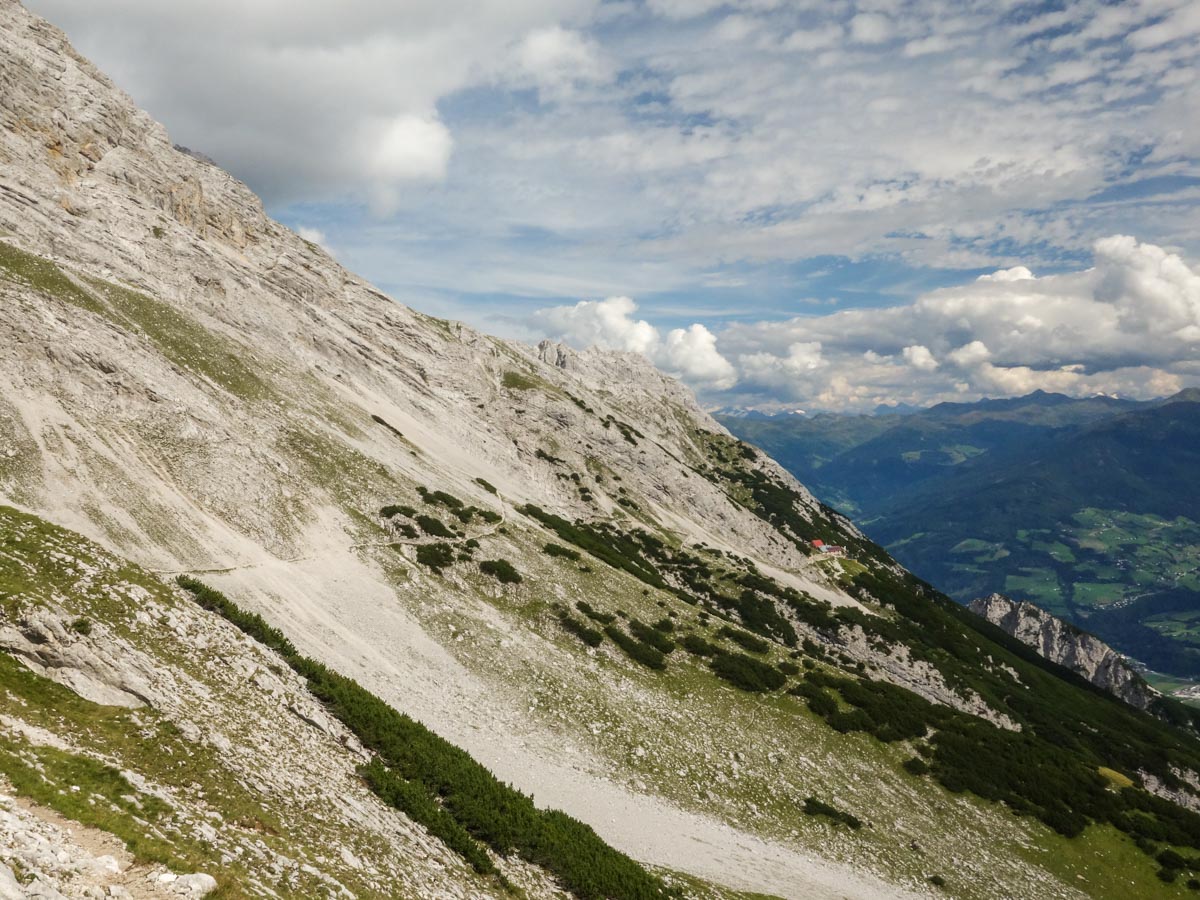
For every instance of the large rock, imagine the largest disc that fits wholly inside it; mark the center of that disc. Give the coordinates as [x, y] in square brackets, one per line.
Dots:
[1067, 645]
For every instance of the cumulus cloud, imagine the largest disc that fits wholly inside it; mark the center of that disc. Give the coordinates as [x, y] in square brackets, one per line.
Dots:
[920, 358]
[688, 353]
[556, 59]
[312, 101]
[871, 28]
[402, 150]
[1128, 325]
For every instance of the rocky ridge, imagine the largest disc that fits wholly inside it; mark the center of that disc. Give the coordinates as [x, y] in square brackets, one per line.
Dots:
[1069, 646]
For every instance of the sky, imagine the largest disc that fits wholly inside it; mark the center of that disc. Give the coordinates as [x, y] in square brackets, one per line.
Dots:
[788, 205]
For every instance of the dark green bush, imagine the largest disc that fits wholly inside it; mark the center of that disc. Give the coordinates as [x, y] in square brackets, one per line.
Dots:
[564, 552]
[819, 700]
[439, 498]
[594, 614]
[500, 569]
[698, 646]
[82, 626]
[745, 640]
[652, 636]
[379, 420]
[391, 511]
[636, 650]
[747, 673]
[436, 556]
[415, 802]
[1169, 859]
[486, 485]
[250, 623]
[619, 552]
[434, 527]
[585, 633]
[916, 766]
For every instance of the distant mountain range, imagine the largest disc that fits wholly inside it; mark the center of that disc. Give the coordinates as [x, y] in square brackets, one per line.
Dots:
[1087, 507]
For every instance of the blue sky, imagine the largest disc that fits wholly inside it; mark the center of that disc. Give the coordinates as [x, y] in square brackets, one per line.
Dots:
[730, 188]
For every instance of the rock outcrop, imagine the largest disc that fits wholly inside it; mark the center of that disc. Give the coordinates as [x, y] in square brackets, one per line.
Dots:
[1069, 646]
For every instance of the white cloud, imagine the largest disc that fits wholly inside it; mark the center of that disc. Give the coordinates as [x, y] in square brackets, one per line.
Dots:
[871, 28]
[557, 58]
[1016, 273]
[1128, 325]
[401, 150]
[920, 358]
[607, 324]
[312, 101]
[968, 356]
[688, 353]
[312, 235]
[814, 39]
[692, 354]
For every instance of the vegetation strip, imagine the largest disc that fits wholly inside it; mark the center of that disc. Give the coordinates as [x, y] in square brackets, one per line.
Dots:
[441, 787]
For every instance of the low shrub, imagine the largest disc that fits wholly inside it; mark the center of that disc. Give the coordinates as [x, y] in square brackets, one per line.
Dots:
[436, 556]
[585, 633]
[463, 803]
[561, 551]
[439, 498]
[486, 485]
[747, 673]
[391, 511]
[594, 614]
[916, 766]
[745, 640]
[636, 650]
[698, 646]
[434, 527]
[651, 636]
[500, 569]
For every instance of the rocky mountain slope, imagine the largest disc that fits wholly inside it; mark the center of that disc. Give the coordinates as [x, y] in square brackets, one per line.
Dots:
[1085, 507]
[1067, 645]
[553, 560]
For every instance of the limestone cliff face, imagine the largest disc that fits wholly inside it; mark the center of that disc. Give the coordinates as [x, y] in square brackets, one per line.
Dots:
[1071, 647]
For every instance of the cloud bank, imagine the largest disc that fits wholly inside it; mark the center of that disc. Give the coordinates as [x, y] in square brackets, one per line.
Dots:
[1128, 325]
[687, 353]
